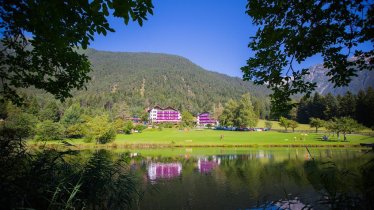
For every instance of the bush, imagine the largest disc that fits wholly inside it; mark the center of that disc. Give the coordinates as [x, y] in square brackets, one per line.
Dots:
[108, 136]
[140, 128]
[166, 125]
[100, 130]
[75, 131]
[118, 125]
[128, 126]
[268, 124]
[22, 122]
[49, 130]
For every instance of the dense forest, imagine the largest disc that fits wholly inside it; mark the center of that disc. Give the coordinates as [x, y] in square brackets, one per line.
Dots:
[143, 80]
[359, 107]
[127, 84]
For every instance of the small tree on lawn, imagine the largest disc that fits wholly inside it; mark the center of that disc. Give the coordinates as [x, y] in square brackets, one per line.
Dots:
[293, 124]
[284, 122]
[343, 125]
[187, 119]
[118, 124]
[128, 126]
[333, 126]
[348, 125]
[268, 124]
[316, 123]
[100, 130]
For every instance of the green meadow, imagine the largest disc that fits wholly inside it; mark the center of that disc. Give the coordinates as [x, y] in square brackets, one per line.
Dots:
[172, 137]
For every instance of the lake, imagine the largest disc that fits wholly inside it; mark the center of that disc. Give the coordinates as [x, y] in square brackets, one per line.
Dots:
[281, 178]
[190, 178]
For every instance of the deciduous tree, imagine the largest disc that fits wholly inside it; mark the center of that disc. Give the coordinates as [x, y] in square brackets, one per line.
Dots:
[290, 32]
[246, 116]
[100, 130]
[293, 124]
[284, 122]
[316, 123]
[228, 115]
[49, 130]
[187, 119]
[48, 60]
[268, 124]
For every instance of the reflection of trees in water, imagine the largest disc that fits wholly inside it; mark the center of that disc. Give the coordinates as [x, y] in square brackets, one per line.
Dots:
[339, 184]
[51, 179]
[343, 185]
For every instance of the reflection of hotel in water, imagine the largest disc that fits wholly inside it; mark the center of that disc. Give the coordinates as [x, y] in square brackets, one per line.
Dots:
[164, 170]
[206, 166]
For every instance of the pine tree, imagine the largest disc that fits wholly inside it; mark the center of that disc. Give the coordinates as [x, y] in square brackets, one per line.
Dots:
[347, 105]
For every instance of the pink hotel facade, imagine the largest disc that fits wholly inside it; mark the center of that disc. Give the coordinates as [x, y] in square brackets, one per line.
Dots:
[159, 115]
[168, 114]
[205, 118]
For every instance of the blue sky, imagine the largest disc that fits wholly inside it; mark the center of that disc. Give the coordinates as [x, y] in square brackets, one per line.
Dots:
[211, 33]
[214, 34]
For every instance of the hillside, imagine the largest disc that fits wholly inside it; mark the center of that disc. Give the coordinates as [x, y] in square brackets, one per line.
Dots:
[364, 80]
[147, 79]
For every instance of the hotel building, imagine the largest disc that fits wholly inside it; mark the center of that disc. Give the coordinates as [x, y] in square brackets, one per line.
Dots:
[160, 115]
[205, 119]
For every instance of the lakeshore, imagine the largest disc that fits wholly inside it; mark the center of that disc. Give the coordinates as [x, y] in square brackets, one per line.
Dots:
[171, 137]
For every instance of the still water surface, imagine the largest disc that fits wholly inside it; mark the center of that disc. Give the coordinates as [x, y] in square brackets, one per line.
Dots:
[283, 178]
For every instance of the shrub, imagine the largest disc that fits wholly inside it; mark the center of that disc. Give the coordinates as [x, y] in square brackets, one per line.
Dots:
[128, 126]
[22, 122]
[75, 131]
[49, 130]
[140, 127]
[100, 130]
[108, 136]
[268, 124]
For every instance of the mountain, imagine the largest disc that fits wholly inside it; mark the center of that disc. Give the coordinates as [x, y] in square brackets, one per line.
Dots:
[317, 74]
[147, 79]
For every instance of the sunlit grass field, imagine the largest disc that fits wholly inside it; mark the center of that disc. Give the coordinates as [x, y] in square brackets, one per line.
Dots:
[214, 137]
[208, 137]
[304, 127]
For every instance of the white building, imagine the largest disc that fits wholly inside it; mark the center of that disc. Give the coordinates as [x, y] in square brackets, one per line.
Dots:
[160, 115]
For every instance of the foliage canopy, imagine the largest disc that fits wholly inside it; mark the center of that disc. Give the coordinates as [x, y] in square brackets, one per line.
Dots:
[292, 31]
[49, 60]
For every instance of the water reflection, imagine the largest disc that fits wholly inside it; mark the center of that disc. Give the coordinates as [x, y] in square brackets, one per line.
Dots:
[226, 179]
[206, 165]
[294, 204]
[164, 170]
[260, 179]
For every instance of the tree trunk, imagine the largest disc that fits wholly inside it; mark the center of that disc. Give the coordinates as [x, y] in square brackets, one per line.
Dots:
[316, 129]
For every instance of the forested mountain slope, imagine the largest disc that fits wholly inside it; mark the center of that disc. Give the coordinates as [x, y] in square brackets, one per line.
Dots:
[147, 79]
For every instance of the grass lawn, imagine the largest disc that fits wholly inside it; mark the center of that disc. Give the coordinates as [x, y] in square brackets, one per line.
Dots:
[213, 137]
[191, 138]
[301, 127]
[304, 127]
